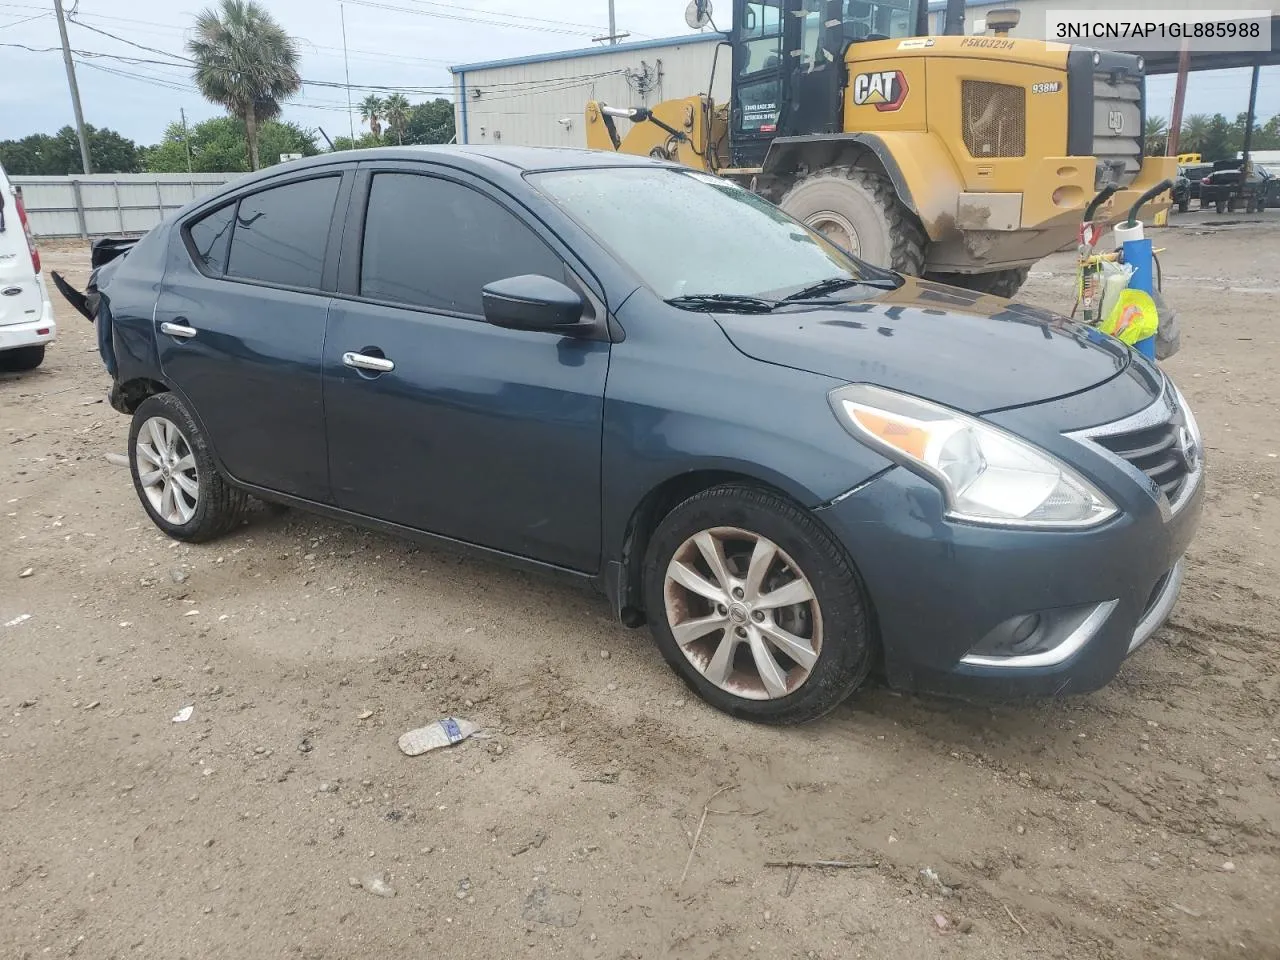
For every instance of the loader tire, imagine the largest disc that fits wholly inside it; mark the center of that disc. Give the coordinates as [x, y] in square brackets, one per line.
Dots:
[998, 283]
[858, 210]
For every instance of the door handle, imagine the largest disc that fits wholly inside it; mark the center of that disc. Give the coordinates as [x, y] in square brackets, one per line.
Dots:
[178, 329]
[362, 361]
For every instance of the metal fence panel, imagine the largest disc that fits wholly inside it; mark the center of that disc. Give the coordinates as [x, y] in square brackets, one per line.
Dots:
[109, 204]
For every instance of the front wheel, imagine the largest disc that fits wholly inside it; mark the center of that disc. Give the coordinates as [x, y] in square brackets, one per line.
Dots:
[756, 606]
[175, 476]
[858, 210]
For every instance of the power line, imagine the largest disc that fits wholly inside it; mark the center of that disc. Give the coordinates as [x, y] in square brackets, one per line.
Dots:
[514, 16]
[459, 17]
[15, 23]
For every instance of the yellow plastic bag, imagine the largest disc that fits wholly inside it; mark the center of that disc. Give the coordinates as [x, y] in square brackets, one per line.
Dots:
[1133, 318]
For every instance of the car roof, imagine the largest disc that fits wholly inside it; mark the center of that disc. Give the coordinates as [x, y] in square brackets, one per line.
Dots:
[525, 159]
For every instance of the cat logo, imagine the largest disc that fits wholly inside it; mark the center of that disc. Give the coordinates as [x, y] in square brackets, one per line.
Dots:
[886, 90]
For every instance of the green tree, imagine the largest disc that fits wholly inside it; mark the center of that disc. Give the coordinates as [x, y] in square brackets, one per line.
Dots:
[372, 111]
[1194, 131]
[1219, 136]
[42, 154]
[1155, 134]
[364, 141]
[430, 122]
[217, 146]
[396, 109]
[246, 63]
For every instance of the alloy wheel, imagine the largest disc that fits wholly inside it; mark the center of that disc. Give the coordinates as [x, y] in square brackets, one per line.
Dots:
[167, 471]
[743, 613]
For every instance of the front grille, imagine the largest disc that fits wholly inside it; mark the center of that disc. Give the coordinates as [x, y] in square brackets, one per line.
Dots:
[1158, 451]
[994, 118]
[1117, 127]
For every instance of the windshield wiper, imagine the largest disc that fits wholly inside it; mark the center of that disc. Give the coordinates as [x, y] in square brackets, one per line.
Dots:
[832, 284]
[726, 302]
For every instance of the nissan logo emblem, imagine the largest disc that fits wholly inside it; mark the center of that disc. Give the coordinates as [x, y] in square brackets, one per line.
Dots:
[1187, 448]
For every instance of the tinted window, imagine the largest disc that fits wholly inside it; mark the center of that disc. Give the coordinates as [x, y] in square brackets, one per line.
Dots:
[210, 238]
[281, 233]
[435, 244]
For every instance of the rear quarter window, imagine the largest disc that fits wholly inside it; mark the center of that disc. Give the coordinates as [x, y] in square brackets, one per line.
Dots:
[209, 239]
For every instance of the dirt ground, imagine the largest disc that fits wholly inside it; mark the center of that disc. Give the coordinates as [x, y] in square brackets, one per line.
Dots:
[1140, 821]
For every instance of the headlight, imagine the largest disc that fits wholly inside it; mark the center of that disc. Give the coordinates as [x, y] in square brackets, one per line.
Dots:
[986, 474]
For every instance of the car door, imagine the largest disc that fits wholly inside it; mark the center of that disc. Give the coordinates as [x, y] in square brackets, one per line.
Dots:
[240, 326]
[438, 420]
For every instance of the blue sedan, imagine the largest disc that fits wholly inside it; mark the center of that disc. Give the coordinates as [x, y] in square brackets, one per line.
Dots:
[793, 466]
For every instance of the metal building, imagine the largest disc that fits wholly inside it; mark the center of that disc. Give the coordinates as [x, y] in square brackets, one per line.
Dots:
[539, 100]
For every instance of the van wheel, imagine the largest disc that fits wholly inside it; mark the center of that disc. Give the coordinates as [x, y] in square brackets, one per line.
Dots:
[858, 210]
[1184, 205]
[174, 474]
[756, 606]
[22, 358]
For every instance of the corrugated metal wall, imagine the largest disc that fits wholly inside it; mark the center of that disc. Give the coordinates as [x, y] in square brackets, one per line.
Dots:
[523, 104]
[109, 203]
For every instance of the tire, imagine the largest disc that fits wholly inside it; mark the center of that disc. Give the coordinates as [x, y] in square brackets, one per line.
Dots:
[840, 199]
[1231, 206]
[168, 450]
[1184, 205]
[998, 283]
[833, 616]
[22, 358]
[1220, 206]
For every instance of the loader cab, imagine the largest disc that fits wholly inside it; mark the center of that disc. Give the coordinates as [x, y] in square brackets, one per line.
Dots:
[788, 63]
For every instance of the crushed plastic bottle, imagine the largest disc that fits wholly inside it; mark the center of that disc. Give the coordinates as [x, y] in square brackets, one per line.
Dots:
[442, 733]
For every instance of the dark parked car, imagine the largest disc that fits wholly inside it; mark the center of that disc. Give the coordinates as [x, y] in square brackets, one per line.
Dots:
[792, 465]
[1194, 174]
[1221, 189]
[1182, 193]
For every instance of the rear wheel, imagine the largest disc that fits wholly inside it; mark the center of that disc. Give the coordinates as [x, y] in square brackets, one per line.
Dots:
[756, 606]
[1183, 205]
[22, 358]
[858, 210]
[1220, 206]
[175, 476]
[998, 283]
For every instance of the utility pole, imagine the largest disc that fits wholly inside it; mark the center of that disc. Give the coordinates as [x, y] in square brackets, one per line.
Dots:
[346, 65]
[613, 36]
[75, 90]
[186, 138]
[1179, 98]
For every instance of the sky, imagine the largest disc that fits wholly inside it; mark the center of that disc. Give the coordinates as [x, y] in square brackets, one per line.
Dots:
[390, 43]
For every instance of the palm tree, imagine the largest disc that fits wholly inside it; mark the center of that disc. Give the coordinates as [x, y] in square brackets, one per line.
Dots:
[1156, 134]
[396, 109]
[372, 110]
[1195, 130]
[245, 62]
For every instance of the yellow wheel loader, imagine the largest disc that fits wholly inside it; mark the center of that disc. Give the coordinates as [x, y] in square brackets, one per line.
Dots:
[962, 158]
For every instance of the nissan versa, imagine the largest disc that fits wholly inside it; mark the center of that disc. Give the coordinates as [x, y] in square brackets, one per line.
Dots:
[792, 465]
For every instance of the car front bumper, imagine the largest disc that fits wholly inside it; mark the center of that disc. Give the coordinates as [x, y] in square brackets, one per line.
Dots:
[939, 587]
[30, 333]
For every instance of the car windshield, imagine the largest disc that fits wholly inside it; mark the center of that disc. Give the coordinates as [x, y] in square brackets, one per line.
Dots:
[687, 233]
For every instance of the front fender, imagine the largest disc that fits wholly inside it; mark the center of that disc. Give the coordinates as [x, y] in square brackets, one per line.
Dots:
[917, 164]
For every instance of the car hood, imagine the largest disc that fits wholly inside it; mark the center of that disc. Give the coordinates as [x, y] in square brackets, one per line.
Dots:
[969, 351]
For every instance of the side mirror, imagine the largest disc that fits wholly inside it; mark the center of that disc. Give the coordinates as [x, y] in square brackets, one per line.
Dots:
[532, 302]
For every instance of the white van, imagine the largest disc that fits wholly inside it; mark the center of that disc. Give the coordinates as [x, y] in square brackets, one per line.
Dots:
[26, 313]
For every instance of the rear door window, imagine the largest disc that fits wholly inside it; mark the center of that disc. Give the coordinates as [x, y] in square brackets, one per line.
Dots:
[211, 239]
[281, 233]
[434, 244]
